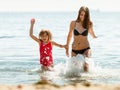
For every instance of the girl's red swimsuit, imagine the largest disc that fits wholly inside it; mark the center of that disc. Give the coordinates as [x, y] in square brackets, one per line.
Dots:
[46, 58]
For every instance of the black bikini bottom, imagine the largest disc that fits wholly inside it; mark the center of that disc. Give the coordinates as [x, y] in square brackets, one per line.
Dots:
[80, 51]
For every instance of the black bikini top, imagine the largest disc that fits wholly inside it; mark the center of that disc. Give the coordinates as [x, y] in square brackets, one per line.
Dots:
[84, 33]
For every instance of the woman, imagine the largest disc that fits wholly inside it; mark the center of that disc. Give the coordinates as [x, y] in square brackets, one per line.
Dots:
[80, 28]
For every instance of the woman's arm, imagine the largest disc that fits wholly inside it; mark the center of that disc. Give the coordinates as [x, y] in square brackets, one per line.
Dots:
[92, 32]
[70, 32]
[69, 37]
[31, 31]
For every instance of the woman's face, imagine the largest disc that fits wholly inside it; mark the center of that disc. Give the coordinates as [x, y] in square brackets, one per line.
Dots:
[82, 15]
[44, 37]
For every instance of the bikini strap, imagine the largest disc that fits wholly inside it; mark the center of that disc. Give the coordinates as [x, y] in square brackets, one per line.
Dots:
[75, 24]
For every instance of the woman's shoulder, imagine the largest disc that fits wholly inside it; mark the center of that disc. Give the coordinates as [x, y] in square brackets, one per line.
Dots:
[91, 23]
[73, 23]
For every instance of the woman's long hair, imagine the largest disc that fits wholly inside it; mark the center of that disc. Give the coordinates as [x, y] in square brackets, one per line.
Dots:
[86, 22]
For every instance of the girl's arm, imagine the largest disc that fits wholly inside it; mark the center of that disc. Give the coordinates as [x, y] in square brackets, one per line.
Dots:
[58, 45]
[31, 31]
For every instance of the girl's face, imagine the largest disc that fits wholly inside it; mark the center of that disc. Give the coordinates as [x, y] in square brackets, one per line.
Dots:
[82, 15]
[44, 37]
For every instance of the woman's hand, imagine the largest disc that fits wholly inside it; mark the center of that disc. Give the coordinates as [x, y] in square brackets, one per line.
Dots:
[95, 37]
[67, 50]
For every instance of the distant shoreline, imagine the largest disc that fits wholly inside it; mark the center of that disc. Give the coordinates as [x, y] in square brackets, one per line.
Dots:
[98, 11]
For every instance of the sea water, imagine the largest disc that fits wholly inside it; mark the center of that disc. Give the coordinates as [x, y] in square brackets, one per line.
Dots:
[19, 54]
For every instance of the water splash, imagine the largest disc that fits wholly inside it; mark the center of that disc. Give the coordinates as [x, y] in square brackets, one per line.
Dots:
[72, 71]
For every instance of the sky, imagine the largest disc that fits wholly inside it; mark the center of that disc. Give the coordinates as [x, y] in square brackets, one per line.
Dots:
[58, 5]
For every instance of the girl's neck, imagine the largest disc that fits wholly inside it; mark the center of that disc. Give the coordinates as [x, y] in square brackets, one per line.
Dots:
[45, 42]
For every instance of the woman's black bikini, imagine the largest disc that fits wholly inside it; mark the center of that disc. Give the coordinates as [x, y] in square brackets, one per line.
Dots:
[80, 51]
[84, 33]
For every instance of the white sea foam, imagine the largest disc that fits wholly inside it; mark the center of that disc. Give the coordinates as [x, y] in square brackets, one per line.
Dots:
[74, 65]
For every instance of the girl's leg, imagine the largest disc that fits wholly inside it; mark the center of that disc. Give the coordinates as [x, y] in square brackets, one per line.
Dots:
[44, 68]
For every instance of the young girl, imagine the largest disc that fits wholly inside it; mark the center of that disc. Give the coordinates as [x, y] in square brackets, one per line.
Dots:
[45, 44]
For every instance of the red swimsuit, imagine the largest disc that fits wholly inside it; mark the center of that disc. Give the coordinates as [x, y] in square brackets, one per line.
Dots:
[46, 58]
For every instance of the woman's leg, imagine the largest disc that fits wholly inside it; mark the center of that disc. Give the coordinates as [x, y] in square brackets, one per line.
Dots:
[86, 66]
[87, 53]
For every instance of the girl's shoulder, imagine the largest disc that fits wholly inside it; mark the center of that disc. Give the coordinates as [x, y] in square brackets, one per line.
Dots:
[40, 42]
[52, 42]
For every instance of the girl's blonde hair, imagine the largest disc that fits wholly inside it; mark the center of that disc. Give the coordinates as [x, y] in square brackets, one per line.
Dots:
[42, 32]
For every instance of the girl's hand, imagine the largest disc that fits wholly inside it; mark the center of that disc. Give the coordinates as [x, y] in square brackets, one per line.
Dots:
[32, 21]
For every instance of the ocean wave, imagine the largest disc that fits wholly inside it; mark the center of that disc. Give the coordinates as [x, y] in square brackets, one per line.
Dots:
[2, 37]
